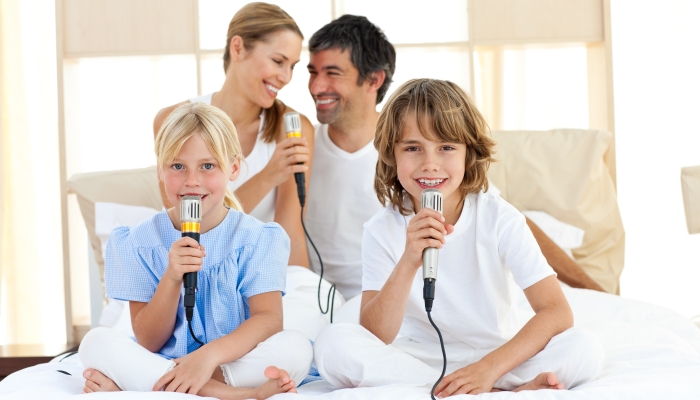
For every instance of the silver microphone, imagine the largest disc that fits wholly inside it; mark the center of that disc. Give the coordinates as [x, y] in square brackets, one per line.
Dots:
[292, 126]
[431, 198]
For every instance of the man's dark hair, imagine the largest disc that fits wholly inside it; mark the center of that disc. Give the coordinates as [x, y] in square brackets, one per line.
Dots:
[370, 51]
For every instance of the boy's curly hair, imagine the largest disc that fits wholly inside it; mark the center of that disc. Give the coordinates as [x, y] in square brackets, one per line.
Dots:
[443, 112]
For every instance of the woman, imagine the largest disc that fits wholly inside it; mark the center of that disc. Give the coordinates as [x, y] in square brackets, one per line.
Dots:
[263, 46]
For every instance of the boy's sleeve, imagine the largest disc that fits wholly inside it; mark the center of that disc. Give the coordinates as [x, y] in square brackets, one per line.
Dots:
[127, 276]
[519, 250]
[377, 263]
[264, 264]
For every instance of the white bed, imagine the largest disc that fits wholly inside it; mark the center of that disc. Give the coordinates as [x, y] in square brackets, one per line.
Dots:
[652, 353]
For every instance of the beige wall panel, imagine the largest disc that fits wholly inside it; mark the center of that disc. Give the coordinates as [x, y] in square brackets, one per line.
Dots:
[127, 27]
[520, 21]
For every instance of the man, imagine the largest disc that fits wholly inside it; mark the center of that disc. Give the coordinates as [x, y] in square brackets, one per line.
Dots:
[351, 67]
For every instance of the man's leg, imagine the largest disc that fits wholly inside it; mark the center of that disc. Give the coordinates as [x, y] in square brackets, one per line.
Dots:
[300, 302]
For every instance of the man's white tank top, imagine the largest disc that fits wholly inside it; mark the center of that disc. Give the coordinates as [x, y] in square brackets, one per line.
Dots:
[254, 163]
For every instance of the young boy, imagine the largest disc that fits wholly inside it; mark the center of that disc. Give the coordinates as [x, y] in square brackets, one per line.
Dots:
[430, 135]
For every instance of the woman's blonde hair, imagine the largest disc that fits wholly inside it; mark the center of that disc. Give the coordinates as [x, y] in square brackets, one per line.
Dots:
[255, 22]
[442, 109]
[216, 130]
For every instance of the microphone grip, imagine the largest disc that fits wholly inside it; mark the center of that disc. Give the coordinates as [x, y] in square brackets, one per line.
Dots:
[300, 179]
[430, 262]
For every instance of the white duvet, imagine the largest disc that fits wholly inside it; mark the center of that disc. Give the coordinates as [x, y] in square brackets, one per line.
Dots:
[651, 353]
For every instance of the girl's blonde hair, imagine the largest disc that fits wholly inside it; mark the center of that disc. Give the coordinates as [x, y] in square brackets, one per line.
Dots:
[442, 109]
[255, 22]
[216, 130]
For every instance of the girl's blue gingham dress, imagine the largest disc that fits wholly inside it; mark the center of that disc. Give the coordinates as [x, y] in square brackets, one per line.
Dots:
[244, 257]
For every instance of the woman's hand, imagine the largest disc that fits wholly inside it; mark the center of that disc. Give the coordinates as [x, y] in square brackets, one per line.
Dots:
[473, 379]
[426, 229]
[190, 374]
[285, 160]
[185, 256]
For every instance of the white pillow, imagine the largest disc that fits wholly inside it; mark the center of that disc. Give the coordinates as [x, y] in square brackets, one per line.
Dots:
[567, 237]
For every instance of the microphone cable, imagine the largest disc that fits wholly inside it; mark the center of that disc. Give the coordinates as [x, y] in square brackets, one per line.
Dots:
[293, 128]
[330, 301]
[429, 308]
[189, 324]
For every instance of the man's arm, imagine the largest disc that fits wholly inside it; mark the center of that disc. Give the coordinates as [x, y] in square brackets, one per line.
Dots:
[567, 270]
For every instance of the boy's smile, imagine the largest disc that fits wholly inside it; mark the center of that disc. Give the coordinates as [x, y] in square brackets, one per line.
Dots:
[430, 163]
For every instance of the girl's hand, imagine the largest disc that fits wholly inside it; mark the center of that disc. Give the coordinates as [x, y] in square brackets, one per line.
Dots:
[287, 155]
[426, 229]
[473, 379]
[185, 256]
[190, 374]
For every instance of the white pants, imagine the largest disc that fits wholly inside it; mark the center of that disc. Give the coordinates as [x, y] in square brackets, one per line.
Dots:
[348, 355]
[132, 367]
[300, 302]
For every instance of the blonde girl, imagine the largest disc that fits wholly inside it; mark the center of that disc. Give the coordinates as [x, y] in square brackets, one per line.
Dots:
[263, 45]
[241, 266]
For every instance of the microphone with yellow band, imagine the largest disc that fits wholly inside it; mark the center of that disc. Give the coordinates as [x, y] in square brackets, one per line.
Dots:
[191, 220]
[292, 125]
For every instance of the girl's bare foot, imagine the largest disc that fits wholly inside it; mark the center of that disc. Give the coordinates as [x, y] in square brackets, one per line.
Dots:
[545, 380]
[96, 381]
[279, 382]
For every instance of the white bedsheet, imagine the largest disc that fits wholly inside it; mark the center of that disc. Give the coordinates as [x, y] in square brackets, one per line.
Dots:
[652, 353]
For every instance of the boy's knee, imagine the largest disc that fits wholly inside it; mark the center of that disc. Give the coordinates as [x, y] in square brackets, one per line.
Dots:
[585, 351]
[338, 341]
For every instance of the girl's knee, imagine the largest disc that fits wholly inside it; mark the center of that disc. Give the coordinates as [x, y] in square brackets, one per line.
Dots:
[295, 341]
[95, 342]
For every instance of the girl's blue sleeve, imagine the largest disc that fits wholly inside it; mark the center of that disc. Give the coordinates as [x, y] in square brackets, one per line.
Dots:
[127, 274]
[264, 264]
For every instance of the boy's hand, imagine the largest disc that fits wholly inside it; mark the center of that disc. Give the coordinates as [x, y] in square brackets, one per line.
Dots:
[185, 256]
[473, 379]
[190, 374]
[426, 229]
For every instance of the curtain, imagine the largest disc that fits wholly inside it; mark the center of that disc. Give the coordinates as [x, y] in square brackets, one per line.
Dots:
[31, 258]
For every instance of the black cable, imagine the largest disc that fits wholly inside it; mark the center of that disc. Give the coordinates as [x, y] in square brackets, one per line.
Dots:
[444, 356]
[189, 323]
[330, 301]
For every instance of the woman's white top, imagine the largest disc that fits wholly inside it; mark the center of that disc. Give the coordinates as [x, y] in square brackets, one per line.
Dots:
[254, 163]
[485, 262]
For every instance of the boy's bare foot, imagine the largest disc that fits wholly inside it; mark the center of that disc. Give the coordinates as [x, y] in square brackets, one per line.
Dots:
[545, 380]
[96, 381]
[279, 382]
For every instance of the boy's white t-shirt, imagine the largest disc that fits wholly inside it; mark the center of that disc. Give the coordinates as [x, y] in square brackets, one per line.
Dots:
[490, 256]
[341, 199]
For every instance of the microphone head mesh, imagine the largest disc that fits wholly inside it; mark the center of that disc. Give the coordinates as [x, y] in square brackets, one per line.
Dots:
[191, 209]
[292, 122]
[431, 198]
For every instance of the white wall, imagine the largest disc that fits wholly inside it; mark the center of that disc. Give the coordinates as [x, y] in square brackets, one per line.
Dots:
[656, 66]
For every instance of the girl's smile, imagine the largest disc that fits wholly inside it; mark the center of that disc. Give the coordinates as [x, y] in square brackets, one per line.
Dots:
[196, 172]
